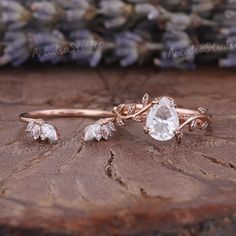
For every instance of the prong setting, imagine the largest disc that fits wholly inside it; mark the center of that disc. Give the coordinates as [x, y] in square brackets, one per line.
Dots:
[146, 99]
[172, 102]
[146, 130]
[179, 136]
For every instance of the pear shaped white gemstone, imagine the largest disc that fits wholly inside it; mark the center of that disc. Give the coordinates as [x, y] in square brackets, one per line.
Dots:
[162, 120]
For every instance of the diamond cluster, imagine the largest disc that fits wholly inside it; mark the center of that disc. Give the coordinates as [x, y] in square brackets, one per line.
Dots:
[43, 131]
[98, 131]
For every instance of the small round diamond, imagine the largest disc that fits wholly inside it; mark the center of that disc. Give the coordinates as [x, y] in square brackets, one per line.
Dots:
[162, 120]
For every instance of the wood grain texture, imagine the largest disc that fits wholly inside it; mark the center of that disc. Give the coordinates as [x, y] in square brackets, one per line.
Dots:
[131, 184]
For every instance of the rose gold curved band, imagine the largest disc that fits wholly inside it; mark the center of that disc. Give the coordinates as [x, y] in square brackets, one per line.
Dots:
[86, 113]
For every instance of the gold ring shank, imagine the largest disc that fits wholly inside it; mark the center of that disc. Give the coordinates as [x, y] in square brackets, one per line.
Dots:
[86, 113]
[53, 113]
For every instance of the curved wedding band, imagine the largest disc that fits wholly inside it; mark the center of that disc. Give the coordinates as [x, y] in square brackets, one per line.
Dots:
[163, 120]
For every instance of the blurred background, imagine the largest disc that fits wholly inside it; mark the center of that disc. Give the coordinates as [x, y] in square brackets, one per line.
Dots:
[164, 33]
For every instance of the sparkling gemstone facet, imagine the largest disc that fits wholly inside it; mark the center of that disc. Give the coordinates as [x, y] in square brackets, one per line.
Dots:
[49, 132]
[162, 120]
[35, 131]
[30, 126]
[43, 131]
[99, 131]
[107, 129]
[93, 132]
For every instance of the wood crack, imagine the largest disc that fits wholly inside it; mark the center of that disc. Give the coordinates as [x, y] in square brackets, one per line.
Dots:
[218, 162]
[111, 173]
[72, 158]
[11, 143]
[172, 167]
[145, 194]
[25, 166]
[132, 177]
[34, 161]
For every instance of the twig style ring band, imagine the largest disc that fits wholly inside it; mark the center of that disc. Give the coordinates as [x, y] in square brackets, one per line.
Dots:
[163, 120]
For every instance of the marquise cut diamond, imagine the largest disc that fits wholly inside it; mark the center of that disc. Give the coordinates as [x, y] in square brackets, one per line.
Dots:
[43, 131]
[162, 120]
[99, 131]
[49, 132]
[92, 132]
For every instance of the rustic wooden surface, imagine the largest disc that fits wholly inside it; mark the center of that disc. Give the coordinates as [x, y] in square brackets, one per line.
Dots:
[130, 185]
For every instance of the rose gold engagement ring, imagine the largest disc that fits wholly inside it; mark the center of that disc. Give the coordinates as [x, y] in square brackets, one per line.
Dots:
[163, 120]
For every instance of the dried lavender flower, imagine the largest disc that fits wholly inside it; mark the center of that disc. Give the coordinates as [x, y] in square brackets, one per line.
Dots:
[87, 47]
[46, 11]
[16, 50]
[148, 10]
[116, 12]
[13, 15]
[126, 31]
